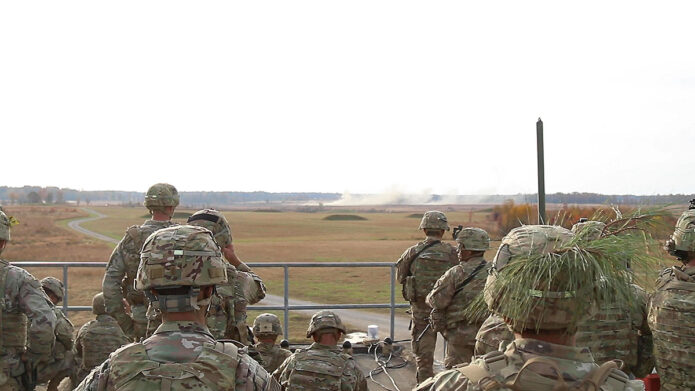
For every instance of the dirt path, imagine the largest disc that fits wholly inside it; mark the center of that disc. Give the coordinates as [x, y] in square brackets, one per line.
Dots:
[75, 225]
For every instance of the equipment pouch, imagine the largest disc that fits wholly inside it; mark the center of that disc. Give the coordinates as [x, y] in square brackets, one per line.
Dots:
[409, 288]
[438, 320]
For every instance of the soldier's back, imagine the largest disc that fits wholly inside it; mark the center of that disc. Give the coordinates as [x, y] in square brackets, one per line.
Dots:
[671, 316]
[321, 368]
[180, 356]
[532, 365]
[273, 355]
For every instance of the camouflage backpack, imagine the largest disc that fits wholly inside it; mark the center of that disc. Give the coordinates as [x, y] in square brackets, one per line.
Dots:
[214, 369]
[100, 338]
[318, 370]
[495, 371]
[671, 313]
[430, 264]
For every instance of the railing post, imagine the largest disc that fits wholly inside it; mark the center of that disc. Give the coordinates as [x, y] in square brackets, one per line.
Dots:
[287, 301]
[65, 290]
[393, 300]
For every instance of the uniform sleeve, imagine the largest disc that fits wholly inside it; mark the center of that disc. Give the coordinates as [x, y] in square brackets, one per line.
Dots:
[64, 331]
[78, 340]
[443, 291]
[111, 285]
[403, 264]
[251, 376]
[42, 320]
[282, 374]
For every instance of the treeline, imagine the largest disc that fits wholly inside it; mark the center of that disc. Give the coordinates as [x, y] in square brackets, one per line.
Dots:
[55, 195]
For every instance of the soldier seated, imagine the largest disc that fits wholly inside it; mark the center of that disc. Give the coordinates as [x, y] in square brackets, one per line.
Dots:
[60, 364]
[323, 365]
[97, 339]
[266, 328]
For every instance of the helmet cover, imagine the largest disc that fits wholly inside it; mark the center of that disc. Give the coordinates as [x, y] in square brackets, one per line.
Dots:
[53, 285]
[161, 195]
[215, 222]
[267, 325]
[324, 320]
[434, 219]
[473, 239]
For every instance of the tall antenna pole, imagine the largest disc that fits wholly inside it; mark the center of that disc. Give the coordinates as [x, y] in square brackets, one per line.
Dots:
[541, 172]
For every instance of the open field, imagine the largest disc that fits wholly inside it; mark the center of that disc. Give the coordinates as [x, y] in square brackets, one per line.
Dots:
[259, 237]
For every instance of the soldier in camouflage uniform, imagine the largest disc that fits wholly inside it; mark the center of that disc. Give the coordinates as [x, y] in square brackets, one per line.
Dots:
[161, 200]
[227, 315]
[672, 310]
[179, 269]
[455, 291]
[97, 339]
[60, 364]
[266, 329]
[543, 355]
[616, 332]
[323, 366]
[22, 299]
[417, 270]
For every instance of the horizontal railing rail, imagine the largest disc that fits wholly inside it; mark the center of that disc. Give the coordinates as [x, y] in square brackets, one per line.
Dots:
[286, 307]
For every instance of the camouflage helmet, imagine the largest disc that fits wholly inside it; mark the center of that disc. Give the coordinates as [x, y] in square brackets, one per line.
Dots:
[53, 285]
[324, 320]
[473, 239]
[434, 219]
[161, 195]
[215, 222]
[5, 225]
[267, 325]
[176, 257]
[683, 238]
[98, 306]
[590, 229]
[547, 309]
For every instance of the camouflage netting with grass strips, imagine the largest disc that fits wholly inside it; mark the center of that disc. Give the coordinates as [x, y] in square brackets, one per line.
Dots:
[546, 278]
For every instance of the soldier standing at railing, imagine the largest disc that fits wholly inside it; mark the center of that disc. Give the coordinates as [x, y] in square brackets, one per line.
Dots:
[418, 269]
[161, 200]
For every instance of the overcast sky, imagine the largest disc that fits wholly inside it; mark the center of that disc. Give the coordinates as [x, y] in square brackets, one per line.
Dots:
[359, 96]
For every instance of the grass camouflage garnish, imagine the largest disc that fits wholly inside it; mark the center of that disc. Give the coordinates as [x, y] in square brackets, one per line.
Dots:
[575, 277]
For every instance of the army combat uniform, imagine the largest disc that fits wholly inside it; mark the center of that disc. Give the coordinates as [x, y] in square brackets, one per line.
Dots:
[61, 362]
[543, 363]
[123, 265]
[321, 367]
[97, 339]
[520, 294]
[267, 327]
[226, 318]
[209, 365]
[620, 333]
[418, 268]
[179, 266]
[449, 298]
[119, 276]
[672, 310]
[492, 334]
[22, 300]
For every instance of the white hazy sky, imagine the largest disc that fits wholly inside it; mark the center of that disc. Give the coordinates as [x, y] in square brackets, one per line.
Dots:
[359, 96]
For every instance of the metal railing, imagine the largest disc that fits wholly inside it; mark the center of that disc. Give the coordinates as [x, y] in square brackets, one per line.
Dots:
[286, 307]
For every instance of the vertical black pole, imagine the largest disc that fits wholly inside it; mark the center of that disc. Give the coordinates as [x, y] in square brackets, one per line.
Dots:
[541, 172]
